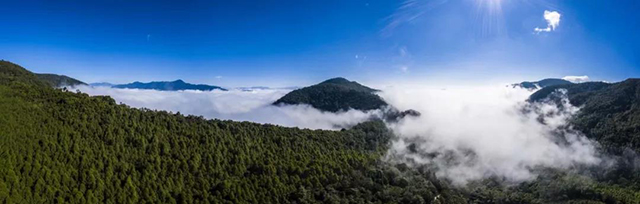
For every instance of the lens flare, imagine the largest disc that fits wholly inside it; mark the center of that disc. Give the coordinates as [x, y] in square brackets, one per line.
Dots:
[490, 18]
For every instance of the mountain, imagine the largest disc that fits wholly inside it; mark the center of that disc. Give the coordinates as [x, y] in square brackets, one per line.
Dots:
[541, 84]
[177, 85]
[61, 146]
[335, 95]
[101, 84]
[609, 113]
[59, 80]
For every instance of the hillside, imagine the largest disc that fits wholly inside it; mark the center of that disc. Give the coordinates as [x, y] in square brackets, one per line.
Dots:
[335, 95]
[59, 80]
[541, 84]
[177, 85]
[610, 113]
[64, 147]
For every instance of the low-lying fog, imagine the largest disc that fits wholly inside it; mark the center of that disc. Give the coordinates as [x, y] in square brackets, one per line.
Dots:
[239, 105]
[478, 132]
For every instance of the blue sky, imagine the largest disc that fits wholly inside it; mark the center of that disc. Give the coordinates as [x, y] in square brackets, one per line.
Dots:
[284, 43]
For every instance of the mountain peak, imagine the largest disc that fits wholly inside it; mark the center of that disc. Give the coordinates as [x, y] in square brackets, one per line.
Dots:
[333, 95]
[337, 80]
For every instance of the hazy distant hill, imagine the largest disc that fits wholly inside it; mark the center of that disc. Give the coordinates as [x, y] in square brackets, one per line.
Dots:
[176, 85]
[334, 95]
[104, 84]
[541, 84]
[59, 80]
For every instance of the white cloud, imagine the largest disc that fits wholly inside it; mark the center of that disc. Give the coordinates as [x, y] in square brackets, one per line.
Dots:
[576, 79]
[240, 105]
[553, 21]
[403, 51]
[404, 68]
[470, 133]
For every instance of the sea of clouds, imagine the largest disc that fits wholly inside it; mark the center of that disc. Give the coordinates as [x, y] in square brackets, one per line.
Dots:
[465, 133]
[235, 104]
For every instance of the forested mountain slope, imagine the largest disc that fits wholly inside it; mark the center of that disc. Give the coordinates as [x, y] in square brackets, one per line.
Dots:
[62, 147]
[335, 95]
[59, 80]
[610, 113]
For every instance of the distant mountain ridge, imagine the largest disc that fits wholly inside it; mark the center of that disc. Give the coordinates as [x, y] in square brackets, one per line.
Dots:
[333, 95]
[177, 85]
[105, 84]
[541, 84]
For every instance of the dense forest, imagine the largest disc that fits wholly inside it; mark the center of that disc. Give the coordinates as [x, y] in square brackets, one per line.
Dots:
[337, 94]
[60, 146]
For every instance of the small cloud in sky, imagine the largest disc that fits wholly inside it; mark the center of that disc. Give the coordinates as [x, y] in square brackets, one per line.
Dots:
[553, 20]
[404, 68]
[576, 79]
[218, 77]
[403, 51]
[148, 37]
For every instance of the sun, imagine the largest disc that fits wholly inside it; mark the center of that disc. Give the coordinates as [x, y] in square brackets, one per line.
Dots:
[489, 17]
